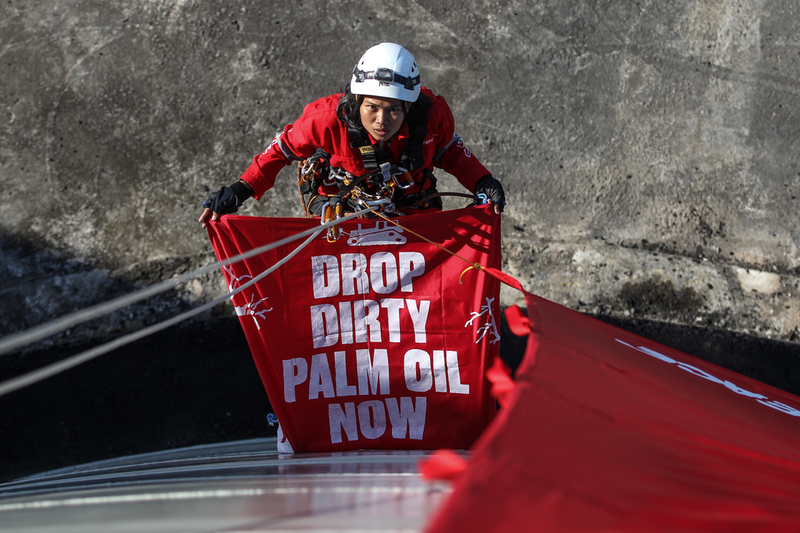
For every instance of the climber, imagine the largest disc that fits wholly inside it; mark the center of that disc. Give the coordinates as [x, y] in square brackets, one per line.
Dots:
[376, 143]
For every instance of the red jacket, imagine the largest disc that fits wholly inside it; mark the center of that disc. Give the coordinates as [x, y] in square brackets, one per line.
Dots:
[319, 127]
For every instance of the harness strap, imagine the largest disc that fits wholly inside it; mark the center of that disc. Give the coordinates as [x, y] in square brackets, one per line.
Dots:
[412, 154]
[367, 150]
[379, 173]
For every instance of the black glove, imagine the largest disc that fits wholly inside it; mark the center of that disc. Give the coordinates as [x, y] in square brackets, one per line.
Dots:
[493, 190]
[228, 199]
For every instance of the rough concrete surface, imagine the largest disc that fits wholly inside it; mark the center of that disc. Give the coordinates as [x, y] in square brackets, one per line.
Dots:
[649, 149]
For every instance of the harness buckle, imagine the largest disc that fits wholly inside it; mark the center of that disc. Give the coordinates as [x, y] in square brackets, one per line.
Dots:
[386, 172]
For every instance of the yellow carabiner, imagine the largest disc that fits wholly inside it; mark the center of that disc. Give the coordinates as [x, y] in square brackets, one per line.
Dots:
[476, 266]
[333, 231]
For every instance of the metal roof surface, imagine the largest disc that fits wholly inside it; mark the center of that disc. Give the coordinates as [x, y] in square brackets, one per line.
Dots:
[237, 486]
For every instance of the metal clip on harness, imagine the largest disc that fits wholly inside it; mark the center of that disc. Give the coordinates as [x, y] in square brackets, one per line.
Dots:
[333, 210]
[362, 193]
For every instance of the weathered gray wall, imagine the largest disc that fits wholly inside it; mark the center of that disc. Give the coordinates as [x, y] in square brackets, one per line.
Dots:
[649, 148]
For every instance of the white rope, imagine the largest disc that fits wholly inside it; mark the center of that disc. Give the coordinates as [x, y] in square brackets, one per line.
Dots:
[75, 360]
[10, 343]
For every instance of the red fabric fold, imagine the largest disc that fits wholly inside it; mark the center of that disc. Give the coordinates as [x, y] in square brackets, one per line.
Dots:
[442, 465]
[607, 431]
[499, 375]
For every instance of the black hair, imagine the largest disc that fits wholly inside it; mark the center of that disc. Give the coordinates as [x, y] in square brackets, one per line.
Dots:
[348, 110]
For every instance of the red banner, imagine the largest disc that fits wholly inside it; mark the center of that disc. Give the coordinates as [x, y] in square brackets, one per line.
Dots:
[372, 341]
[608, 431]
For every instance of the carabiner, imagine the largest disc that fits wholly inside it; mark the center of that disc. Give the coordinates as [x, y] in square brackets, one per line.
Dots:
[407, 178]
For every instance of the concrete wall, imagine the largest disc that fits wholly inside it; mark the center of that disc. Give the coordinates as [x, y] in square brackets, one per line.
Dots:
[649, 148]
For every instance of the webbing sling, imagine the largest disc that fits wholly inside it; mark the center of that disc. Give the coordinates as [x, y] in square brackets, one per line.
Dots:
[411, 159]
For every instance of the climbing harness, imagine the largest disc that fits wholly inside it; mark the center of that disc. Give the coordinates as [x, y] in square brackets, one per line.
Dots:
[379, 190]
[328, 192]
[380, 185]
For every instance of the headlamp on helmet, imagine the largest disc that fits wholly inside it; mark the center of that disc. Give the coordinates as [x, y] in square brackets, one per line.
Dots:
[387, 70]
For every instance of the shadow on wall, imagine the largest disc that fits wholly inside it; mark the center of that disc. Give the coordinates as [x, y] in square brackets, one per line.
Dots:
[194, 383]
[39, 285]
[190, 384]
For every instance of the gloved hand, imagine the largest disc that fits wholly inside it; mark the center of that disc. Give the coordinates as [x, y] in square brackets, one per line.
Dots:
[225, 201]
[493, 190]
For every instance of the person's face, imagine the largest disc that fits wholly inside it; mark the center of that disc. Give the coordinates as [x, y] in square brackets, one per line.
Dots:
[381, 117]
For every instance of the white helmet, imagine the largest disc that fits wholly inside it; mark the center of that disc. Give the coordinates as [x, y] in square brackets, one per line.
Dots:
[387, 70]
